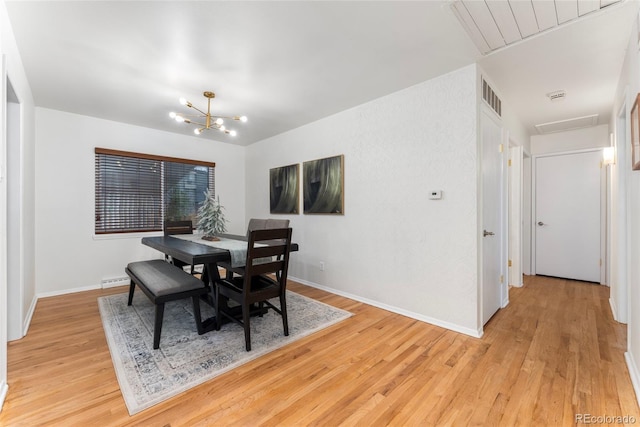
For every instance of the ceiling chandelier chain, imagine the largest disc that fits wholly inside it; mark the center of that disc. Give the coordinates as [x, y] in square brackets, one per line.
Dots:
[211, 121]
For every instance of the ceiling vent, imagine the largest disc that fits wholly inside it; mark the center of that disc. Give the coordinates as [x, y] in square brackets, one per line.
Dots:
[569, 124]
[558, 95]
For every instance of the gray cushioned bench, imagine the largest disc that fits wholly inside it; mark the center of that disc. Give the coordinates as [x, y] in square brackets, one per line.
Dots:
[162, 282]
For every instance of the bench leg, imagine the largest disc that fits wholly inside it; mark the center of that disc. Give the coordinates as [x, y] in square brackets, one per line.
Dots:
[157, 327]
[132, 287]
[196, 314]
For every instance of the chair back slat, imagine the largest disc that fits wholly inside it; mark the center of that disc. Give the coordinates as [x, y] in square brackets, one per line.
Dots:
[268, 267]
[269, 251]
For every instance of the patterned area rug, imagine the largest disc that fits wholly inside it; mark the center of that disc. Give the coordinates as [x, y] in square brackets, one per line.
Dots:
[186, 359]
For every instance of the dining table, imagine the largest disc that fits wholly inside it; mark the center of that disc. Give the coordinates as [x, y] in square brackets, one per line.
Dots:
[193, 250]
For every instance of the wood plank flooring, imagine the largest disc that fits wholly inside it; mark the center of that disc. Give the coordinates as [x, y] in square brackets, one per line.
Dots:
[554, 352]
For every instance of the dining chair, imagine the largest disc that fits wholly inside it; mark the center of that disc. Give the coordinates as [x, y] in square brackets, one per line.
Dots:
[255, 224]
[178, 227]
[261, 280]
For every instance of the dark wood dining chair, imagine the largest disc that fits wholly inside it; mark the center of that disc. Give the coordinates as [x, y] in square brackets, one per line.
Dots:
[254, 224]
[261, 280]
[178, 227]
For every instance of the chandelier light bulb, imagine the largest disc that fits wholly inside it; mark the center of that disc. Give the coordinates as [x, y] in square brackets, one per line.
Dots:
[219, 121]
[243, 119]
[222, 128]
[179, 119]
[183, 101]
[197, 131]
[172, 115]
[233, 133]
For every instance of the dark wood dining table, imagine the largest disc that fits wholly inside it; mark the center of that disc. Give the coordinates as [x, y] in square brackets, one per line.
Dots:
[194, 253]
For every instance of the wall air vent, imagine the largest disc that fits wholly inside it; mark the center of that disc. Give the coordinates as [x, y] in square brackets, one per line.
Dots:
[490, 97]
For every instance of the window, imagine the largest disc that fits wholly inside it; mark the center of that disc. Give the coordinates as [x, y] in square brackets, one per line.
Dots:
[139, 192]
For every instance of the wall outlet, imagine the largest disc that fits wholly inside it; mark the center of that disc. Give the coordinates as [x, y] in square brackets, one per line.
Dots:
[321, 265]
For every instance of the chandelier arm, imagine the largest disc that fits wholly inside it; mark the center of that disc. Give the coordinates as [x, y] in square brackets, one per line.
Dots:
[225, 117]
[196, 123]
[199, 110]
[189, 115]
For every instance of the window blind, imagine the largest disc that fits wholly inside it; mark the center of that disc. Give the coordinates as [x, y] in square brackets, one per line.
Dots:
[138, 192]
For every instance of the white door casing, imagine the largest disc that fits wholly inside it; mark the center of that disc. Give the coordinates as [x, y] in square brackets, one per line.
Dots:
[493, 207]
[515, 215]
[3, 231]
[567, 218]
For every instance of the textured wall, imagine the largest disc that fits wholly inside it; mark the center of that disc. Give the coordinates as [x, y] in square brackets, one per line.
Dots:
[628, 89]
[69, 256]
[393, 247]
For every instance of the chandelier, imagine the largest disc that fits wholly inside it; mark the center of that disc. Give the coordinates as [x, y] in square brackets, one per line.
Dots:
[211, 121]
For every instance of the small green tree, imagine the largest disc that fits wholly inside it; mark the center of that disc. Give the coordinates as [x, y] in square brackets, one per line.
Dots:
[211, 220]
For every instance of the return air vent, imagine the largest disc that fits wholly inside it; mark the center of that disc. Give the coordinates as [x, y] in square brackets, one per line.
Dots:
[490, 97]
[562, 125]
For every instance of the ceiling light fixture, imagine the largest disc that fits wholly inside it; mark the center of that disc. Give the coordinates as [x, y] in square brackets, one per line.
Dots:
[211, 121]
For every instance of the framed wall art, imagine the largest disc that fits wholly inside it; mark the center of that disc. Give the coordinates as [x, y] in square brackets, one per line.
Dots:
[284, 189]
[635, 135]
[323, 186]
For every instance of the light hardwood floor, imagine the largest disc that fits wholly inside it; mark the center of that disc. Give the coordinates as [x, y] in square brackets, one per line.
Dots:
[554, 352]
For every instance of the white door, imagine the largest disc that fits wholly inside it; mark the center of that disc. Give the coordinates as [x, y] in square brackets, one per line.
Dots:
[567, 219]
[492, 209]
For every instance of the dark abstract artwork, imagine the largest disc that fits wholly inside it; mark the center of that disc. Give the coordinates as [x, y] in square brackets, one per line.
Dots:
[323, 186]
[284, 189]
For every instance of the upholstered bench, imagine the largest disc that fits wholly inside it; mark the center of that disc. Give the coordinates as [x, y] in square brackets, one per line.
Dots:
[162, 282]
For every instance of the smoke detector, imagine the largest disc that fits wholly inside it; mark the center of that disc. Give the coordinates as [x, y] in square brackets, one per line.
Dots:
[558, 95]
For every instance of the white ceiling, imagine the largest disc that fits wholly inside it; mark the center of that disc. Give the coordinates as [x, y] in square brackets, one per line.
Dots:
[285, 64]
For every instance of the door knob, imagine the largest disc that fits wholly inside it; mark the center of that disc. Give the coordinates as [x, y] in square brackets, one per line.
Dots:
[486, 233]
[540, 223]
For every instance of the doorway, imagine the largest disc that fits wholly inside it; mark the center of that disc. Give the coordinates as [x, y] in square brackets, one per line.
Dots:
[567, 215]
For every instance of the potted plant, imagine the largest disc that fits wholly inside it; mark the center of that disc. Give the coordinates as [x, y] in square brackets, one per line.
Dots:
[211, 220]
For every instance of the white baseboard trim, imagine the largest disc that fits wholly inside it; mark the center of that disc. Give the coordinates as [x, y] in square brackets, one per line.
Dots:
[68, 291]
[613, 310]
[27, 320]
[4, 389]
[436, 322]
[634, 373]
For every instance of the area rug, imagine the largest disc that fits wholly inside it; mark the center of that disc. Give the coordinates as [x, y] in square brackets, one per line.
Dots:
[186, 359]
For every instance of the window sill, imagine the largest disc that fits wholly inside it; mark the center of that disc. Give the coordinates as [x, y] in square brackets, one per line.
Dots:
[116, 236]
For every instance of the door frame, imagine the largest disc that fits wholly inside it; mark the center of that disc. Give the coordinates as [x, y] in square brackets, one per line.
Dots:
[3, 231]
[515, 209]
[603, 197]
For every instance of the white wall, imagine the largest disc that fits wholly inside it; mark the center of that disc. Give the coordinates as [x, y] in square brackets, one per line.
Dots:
[393, 247]
[571, 140]
[69, 256]
[14, 70]
[628, 88]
